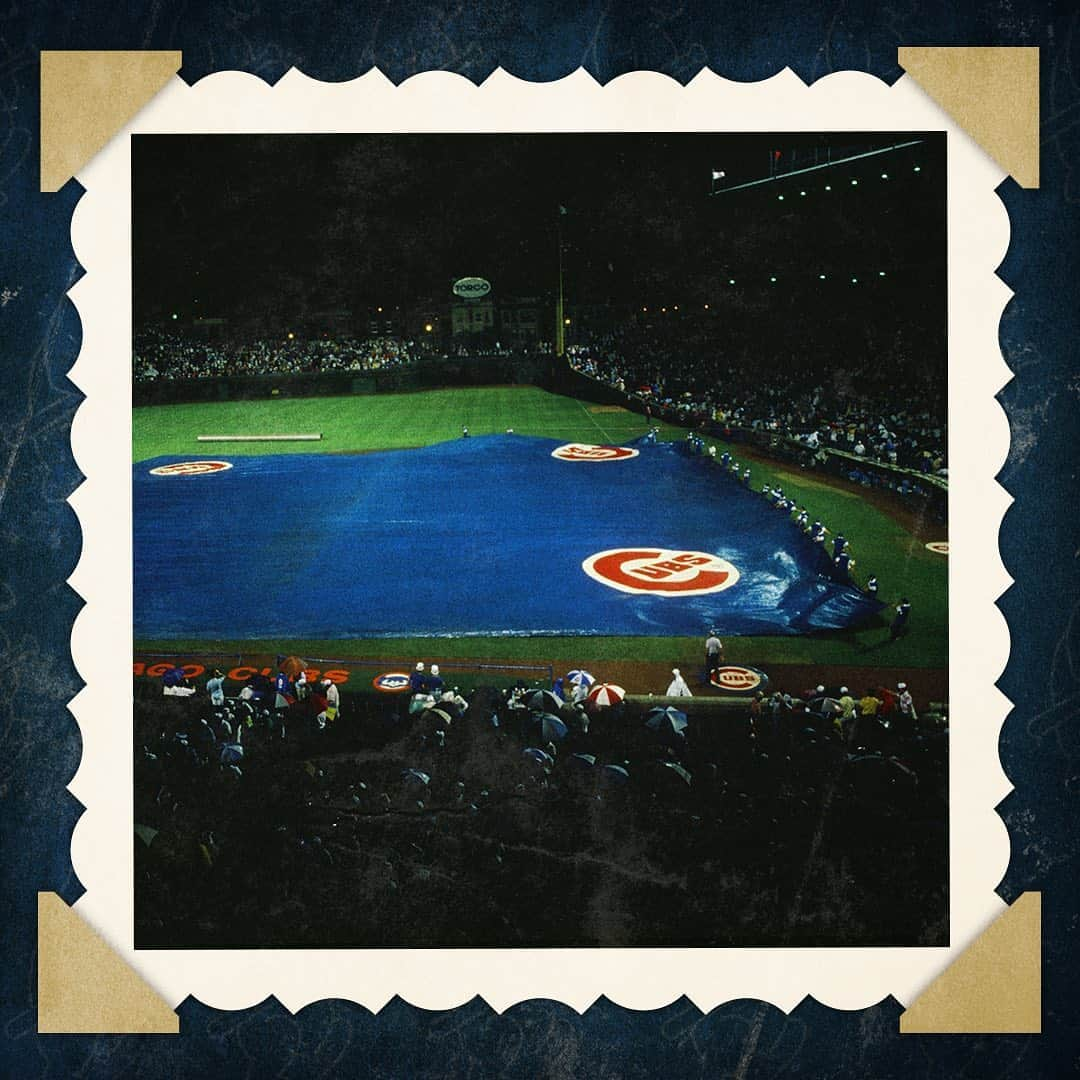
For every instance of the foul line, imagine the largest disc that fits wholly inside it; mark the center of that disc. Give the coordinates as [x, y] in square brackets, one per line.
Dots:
[607, 437]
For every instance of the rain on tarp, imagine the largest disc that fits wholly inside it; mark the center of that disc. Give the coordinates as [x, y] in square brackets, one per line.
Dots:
[432, 541]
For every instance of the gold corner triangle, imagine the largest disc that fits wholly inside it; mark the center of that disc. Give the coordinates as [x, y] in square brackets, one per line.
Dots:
[992, 93]
[84, 988]
[993, 987]
[86, 97]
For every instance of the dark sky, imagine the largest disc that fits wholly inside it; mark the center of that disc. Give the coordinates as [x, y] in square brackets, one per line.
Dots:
[307, 223]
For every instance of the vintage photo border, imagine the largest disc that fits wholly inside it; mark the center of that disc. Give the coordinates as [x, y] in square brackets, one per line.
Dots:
[978, 236]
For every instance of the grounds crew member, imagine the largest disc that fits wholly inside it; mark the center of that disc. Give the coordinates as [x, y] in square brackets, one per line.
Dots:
[714, 653]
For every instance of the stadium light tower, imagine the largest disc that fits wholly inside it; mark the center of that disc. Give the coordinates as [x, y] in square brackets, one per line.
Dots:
[560, 325]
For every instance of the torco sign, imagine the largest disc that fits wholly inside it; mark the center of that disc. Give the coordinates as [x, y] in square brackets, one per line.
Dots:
[589, 452]
[190, 468]
[661, 571]
[471, 288]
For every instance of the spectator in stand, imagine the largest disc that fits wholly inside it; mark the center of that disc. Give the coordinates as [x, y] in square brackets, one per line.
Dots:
[333, 699]
[215, 687]
[906, 706]
[677, 687]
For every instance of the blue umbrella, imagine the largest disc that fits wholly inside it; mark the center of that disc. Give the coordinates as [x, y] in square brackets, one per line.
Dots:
[614, 774]
[540, 757]
[543, 701]
[415, 776]
[578, 677]
[674, 768]
[668, 719]
[585, 761]
[552, 729]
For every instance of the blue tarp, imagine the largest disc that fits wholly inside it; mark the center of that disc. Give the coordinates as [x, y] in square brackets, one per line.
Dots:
[485, 535]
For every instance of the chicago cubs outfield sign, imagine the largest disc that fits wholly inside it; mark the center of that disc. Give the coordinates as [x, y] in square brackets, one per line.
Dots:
[392, 682]
[661, 571]
[190, 468]
[589, 452]
[734, 679]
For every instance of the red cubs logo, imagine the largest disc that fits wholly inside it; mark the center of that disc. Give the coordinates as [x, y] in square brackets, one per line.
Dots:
[588, 452]
[938, 547]
[393, 682]
[661, 571]
[737, 680]
[190, 468]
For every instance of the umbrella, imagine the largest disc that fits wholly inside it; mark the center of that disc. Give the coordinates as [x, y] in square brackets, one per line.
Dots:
[437, 716]
[669, 719]
[577, 677]
[231, 754]
[614, 774]
[552, 729]
[146, 834]
[415, 776]
[420, 702]
[292, 666]
[585, 761]
[675, 769]
[542, 701]
[541, 757]
[606, 694]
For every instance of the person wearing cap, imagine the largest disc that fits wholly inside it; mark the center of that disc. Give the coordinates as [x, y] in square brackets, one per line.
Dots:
[906, 704]
[714, 653]
[434, 684]
[417, 679]
[215, 687]
[677, 687]
[872, 587]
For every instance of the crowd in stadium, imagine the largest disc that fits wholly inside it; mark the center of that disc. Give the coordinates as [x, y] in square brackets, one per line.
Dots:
[160, 355]
[436, 818]
[891, 412]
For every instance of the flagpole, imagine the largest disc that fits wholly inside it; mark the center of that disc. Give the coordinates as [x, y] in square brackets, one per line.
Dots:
[560, 330]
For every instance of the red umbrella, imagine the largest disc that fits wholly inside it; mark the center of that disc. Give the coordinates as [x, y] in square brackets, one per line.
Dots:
[606, 694]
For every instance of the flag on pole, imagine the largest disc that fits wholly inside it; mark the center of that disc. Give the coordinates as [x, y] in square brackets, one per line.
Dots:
[562, 211]
[717, 174]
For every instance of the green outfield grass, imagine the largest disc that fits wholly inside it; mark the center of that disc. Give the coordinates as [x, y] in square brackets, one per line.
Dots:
[880, 545]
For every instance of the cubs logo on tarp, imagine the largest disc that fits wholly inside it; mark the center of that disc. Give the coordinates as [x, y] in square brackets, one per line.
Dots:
[393, 682]
[734, 679]
[939, 547]
[661, 571]
[190, 468]
[588, 452]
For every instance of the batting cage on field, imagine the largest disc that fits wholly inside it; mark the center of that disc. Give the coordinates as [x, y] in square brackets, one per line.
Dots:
[493, 535]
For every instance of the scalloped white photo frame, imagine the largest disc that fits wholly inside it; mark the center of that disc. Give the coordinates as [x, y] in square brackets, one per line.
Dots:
[978, 236]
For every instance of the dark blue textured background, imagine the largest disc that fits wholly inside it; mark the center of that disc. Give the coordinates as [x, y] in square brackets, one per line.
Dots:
[741, 39]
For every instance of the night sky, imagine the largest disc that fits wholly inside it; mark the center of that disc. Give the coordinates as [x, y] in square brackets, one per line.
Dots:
[283, 225]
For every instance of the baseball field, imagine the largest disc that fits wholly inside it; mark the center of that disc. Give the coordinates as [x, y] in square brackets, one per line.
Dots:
[887, 538]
